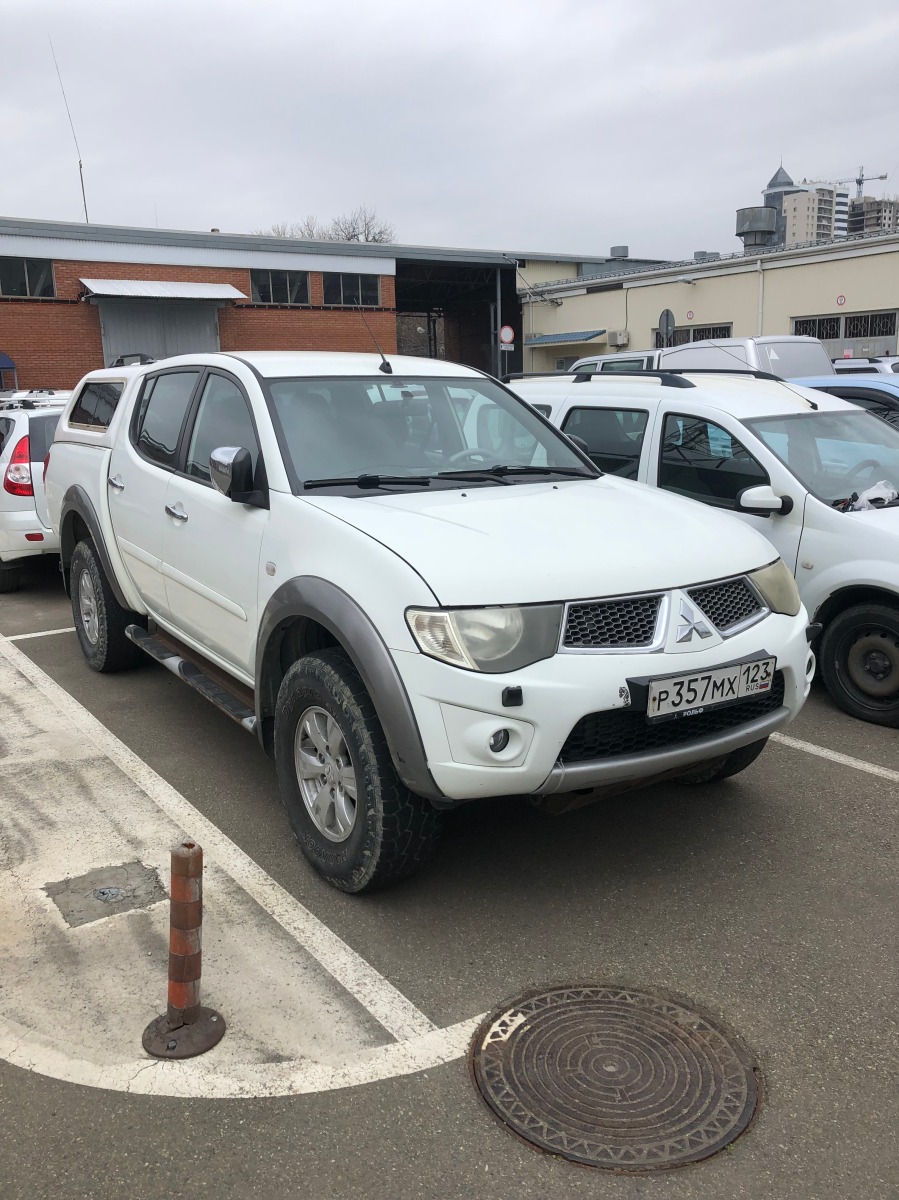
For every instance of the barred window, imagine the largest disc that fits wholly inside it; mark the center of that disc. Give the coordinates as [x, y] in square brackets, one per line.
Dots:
[351, 291]
[695, 333]
[854, 325]
[279, 287]
[26, 277]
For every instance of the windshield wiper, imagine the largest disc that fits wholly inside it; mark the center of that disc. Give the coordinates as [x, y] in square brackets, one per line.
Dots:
[501, 469]
[368, 481]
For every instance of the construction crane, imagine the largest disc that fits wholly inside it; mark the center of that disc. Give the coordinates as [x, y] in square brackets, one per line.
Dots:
[860, 180]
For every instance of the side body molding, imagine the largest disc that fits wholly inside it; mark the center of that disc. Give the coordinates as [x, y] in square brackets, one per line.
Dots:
[317, 600]
[77, 502]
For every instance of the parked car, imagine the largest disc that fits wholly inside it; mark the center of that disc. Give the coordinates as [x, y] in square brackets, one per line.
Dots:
[878, 394]
[883, 364]
[787, 460]
[27, 423]
[381, 569]
[784, 355]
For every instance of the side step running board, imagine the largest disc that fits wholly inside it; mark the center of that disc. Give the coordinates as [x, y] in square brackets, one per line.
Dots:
[230, 705]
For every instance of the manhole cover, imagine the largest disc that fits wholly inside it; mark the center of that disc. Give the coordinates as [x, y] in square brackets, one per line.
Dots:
[614, 1077]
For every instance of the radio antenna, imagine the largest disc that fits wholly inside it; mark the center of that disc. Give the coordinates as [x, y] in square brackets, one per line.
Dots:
[72, 126]
[385, 365]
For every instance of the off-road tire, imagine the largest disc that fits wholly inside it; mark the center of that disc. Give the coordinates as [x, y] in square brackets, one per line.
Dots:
[723, 768]
[112, 651]
[10, 577]
[875, 622]
[394, 831]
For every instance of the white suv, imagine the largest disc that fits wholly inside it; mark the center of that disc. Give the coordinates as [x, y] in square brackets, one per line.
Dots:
[27, 424]
[414, 591]
[787, 460]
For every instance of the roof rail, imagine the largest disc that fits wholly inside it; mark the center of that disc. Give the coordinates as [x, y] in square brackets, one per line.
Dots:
[715, 371]
[530, 375]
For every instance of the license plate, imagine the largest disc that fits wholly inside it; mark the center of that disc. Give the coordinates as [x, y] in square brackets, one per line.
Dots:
[689, 695]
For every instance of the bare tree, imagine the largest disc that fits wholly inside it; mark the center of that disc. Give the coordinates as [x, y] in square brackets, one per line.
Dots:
[361, 225]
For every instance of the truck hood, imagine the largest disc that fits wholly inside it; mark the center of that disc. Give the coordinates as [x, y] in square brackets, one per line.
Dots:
[537, 542]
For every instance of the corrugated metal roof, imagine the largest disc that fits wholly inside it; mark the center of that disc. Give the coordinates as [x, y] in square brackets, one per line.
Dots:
[559, 339]
[160, 289]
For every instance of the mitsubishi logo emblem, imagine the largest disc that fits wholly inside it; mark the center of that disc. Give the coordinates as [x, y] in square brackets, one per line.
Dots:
[690, 622]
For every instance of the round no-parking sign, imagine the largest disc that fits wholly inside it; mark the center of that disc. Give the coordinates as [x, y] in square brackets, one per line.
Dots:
[841, 300]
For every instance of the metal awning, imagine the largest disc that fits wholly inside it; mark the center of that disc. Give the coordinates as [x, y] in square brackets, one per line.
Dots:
[161, 289]
[562, 339]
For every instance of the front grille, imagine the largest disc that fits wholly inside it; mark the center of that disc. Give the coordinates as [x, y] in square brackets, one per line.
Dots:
[628, 623]
[625, 731]
[727, 604]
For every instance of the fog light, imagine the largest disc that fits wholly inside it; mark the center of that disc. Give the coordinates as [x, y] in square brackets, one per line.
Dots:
[499, 741]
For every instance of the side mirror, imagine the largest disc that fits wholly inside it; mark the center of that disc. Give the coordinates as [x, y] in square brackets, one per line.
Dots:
[763, 501]
[579, 442]
[231, 472]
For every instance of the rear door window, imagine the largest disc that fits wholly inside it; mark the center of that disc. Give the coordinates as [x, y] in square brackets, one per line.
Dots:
[160, 416]
[702, 460]
[7, 425]
[614, 437]
[95, 405]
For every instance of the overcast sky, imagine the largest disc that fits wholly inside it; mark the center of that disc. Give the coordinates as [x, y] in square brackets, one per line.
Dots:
[542, 125]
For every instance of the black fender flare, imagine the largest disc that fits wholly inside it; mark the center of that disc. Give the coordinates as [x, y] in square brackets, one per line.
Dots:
[326, 604]
[76, 502]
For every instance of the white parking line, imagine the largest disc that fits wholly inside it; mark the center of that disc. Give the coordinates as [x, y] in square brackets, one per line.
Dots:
[845, 760]
[386, 1003]
[22, 637]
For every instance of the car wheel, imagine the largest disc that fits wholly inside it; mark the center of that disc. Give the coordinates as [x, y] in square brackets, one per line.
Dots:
[860, 662]
[723, 768]
[100, 621]
[357, 823]
[10, 577]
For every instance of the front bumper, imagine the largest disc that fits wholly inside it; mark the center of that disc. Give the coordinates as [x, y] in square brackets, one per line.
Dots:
[457, 712]
[14, 525]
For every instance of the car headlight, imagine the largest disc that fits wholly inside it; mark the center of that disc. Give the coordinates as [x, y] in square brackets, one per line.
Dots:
[778, 588]
[487, 639]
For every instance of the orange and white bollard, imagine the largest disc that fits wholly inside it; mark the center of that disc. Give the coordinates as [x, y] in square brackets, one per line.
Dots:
[185, 1028]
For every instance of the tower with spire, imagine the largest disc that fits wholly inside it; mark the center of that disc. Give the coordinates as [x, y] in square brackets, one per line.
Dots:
[779, 185]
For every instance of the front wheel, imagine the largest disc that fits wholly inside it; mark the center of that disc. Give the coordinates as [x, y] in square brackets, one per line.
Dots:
[357, 823]
[860, 662]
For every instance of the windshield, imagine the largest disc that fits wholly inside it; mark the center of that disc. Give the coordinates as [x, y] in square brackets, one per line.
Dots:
[348, 428]
[833, 453]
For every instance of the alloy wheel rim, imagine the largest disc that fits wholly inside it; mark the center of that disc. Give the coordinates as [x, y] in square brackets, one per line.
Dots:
[325, 774]
[87, 605]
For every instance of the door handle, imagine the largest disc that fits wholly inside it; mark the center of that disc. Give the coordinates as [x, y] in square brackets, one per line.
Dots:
[116, 482]
[177, 512]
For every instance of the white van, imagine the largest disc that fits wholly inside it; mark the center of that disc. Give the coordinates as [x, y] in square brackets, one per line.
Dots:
[786, 356]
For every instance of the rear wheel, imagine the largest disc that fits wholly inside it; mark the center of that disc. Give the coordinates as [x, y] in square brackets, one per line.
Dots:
[723, 768]
[10, 577]
[357, 823]
[100, 621]
[860, 662]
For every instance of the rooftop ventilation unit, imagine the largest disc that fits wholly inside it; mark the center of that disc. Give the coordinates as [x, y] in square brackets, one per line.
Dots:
[619, 252]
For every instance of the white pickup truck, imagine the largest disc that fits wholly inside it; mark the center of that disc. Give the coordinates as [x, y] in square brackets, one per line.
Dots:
[332, 550]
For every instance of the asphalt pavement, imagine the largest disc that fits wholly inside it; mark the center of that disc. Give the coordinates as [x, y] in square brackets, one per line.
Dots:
[769, 900]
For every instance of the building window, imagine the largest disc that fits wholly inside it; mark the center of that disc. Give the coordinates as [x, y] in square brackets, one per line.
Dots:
[351, 291]
[852, 325]
[698, 333]
[26, 277]
[279, 287]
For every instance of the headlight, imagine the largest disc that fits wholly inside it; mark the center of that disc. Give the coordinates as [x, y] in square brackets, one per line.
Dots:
[778, 588]
[487, 639]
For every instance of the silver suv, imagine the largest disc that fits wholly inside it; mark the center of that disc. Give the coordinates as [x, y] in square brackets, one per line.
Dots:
[27, 424]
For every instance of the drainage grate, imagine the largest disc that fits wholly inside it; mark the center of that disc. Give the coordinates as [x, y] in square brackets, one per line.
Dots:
[613, 1077]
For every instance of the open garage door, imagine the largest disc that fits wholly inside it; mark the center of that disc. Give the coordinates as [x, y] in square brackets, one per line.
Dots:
[157, 328]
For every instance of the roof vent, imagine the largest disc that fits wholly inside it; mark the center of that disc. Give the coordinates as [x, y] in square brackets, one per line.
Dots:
[619, 252]
[706, 255]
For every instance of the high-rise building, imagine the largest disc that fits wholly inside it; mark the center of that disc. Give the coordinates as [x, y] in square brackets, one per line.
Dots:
[868, 215]
[780, 185]
[817, 213]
